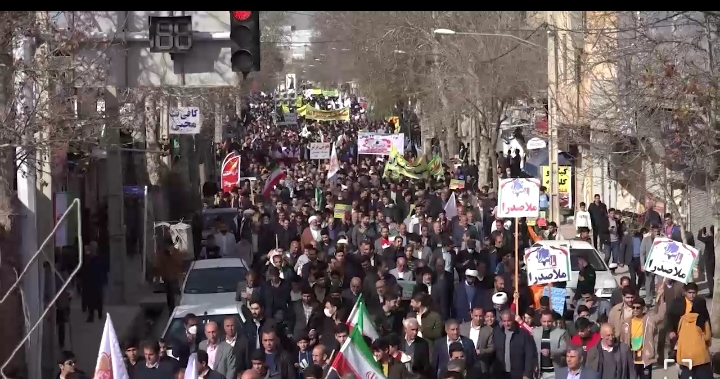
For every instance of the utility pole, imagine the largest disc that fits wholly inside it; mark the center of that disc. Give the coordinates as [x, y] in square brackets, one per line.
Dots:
[116, 222]
[553, 85]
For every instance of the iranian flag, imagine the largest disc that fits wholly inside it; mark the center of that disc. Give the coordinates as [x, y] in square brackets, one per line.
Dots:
[356, 358]
[277, 173]
[360, 319]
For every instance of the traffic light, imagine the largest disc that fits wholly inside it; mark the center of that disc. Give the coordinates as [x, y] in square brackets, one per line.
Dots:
[245, 36]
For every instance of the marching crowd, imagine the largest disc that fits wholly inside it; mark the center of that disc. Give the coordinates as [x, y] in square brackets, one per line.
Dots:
[429, 269]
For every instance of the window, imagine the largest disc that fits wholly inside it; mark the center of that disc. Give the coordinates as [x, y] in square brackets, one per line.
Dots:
[593, 259]
[214, 280]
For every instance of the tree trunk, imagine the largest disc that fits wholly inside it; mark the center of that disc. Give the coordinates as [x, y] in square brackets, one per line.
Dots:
[485, 167]
[13, 329]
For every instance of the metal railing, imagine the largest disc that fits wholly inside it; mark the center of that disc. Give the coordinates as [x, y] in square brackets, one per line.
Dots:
[75, 204]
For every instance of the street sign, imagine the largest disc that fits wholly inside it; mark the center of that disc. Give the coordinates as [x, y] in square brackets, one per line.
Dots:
[185, 120]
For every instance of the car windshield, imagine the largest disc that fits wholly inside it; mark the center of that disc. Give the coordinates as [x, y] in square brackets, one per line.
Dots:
[214, 280]
[593, 259]
[176, 330]
[209, 219]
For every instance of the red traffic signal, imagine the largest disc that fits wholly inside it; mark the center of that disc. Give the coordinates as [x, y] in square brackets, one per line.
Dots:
[241, 15]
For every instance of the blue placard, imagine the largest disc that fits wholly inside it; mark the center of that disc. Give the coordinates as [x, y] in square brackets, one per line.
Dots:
[557, 298]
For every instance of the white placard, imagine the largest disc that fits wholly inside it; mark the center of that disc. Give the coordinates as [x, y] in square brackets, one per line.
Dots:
[288, 119]
[547, 264]
[185, 120]
[320, 150]
[518, 198]
[671, 259]
[379, 143]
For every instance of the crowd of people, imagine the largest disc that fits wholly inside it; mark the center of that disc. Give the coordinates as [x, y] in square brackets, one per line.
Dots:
[437, 277]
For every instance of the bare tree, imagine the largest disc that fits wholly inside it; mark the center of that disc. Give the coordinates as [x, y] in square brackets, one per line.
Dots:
[37, 124]
[649, 110]
[462, 79]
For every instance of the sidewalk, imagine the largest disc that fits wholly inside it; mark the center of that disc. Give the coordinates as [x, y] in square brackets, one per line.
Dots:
[83, 338]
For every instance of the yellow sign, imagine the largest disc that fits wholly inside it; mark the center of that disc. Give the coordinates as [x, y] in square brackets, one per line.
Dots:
[325, 92]
[564, 184]
[457, 184]
[340, 209]
[312, 113]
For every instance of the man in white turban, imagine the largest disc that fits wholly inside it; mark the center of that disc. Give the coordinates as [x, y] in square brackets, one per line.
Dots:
[311, 234]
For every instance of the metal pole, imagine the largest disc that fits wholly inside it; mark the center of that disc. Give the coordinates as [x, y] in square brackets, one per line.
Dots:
[553, 78]
[116, 206]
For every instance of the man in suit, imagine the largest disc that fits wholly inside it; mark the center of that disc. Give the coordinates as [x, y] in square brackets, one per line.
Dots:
[550, 343]
[401, 272]
[467, 296]
[441, 350]
[350, 295]
[304, 311]
[220, 354]
[417, 348]
[576, 368]
[183, 346]
[239, 343]
[204, 369]
[482, 337]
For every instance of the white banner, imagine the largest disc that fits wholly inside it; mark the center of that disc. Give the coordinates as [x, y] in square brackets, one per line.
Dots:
[185, 120]
[671, 259]
[518, 198]
[547, 264]
[379, 143]
[319, 150]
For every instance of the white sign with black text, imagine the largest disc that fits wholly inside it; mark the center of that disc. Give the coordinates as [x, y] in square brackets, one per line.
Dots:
[320, 150]
[185, 120]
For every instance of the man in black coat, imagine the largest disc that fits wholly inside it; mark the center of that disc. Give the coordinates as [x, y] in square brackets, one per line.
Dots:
[204, 370]
[279, 362]
[441, 350]
[417, 348]
[598, 219]
[154, 367]
[515, 354]
[183, 347]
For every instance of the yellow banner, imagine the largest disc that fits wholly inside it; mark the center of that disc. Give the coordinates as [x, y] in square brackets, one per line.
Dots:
[312, 113]
[564, 184]
[325, 92]
[340, 209]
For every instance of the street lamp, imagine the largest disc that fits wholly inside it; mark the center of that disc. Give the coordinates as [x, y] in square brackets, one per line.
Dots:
[449, 32]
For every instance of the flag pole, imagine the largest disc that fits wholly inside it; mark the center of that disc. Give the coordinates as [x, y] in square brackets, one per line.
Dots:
[516, 294]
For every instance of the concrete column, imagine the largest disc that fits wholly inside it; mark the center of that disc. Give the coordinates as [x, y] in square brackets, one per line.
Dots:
[116, 208]
[23, 57]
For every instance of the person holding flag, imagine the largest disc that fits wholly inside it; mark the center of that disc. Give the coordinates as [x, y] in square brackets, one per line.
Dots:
[360, 319]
